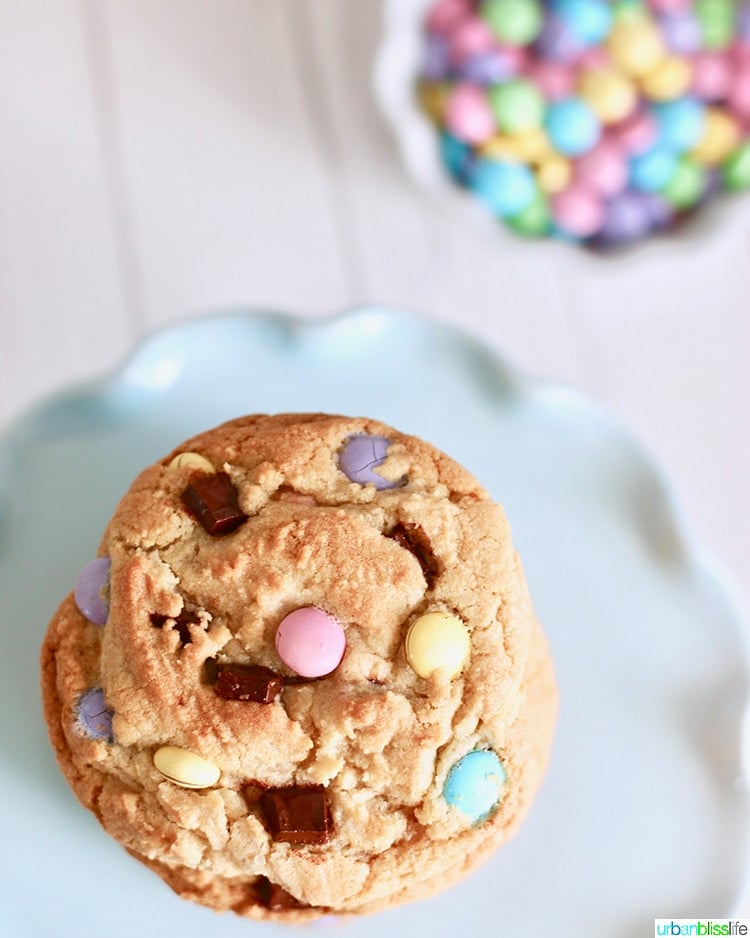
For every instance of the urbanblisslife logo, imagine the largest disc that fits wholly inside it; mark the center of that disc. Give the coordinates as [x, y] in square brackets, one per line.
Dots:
[703, 926]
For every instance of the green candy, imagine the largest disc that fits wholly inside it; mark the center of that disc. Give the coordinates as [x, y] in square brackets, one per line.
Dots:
[517, 22]
[716, 18]
[518, 105]
[735, 170]
[686, 185]
[534, 221]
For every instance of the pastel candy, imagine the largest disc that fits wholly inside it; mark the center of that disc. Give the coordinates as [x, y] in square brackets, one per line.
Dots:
[475, 783]
[555, 110]
[92, 590]
[361, 455]
[94, 716]
[310, 642]
[435, 641]
[191, 461]
[185, 768]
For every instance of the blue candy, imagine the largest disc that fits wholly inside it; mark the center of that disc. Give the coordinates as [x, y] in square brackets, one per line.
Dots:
[457, 156]
[572, 126]
[680, 123]
[474, 784]
[507, 188]
[588, 20]
[652, 170]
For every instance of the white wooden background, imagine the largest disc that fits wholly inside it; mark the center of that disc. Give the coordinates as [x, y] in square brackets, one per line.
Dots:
[164, 157]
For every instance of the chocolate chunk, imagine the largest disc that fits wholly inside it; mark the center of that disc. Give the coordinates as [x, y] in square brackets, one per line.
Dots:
[210, 671]
[212, 499]
[272, 896]
[248, 682]
[181, 623]
[297, 814]
[412, 538]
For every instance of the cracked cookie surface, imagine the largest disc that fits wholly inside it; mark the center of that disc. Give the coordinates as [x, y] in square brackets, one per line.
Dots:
[333, 793]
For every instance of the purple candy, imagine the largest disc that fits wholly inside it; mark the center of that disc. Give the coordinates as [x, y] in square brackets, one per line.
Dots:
[435, 66]
[558, 42]
[487, 68]
[92, 590]
[627, 219]
[743, 22]
[681, 32]
[359, 457]
[94, 716]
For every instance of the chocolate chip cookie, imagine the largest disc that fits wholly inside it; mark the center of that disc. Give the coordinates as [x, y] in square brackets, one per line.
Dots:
[304, 675]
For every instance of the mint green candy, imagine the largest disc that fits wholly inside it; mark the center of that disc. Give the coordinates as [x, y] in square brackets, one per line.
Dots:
[518, 105]
[517, 22]
[686, 185]
[534, 221]
[716, 19]
[735, 170]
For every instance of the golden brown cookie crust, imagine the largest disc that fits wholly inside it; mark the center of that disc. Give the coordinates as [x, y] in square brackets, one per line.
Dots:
[379, 738]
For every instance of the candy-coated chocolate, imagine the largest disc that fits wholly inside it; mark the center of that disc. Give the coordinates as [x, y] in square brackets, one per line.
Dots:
[574, 103]
[310, 642]
[572, 126]
[185, 768]
[94, 716]
[475, 784]
[92, 590]
[736, 169]
[361, 455]
[437, 640]
[192, 461]
[506, 188]
[514, 21]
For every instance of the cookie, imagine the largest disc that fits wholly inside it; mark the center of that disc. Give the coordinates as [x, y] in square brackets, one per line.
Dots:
[304, 675]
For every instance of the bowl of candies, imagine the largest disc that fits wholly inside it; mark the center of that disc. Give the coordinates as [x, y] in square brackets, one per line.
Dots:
[601, 123]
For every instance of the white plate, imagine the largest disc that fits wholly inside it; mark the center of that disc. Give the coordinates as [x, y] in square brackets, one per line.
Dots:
[643, 813]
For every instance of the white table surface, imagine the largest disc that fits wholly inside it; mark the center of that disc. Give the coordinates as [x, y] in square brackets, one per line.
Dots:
[166, 158]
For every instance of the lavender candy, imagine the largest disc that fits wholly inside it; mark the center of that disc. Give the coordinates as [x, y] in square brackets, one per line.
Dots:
[681, 32]
[92, 590]
[488, 68]
[359, 457]
[94, 716]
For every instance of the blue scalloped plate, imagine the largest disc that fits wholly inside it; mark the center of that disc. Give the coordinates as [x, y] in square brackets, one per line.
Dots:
[643, 813]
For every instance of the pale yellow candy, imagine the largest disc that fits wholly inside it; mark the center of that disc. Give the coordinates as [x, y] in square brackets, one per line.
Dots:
[610, 95]
[554, 174]
[437, 640]
[669, 80]
[192, 461]
[636, 47]
[185, 768]
[527, 146]
[720, 136]
[501, 147]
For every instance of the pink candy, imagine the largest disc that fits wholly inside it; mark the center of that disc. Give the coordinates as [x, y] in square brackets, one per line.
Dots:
[578, 211]
[310, 642]
[468, 115]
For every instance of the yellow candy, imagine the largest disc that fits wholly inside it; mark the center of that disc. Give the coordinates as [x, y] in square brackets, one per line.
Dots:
[636, 47]
[185, 768]
[608, 93]
[501, 147]
[554, 174]
[432, 96]
[437, 640]
[720, 136]
[670, 79]
[191, 461]
[533, 145]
